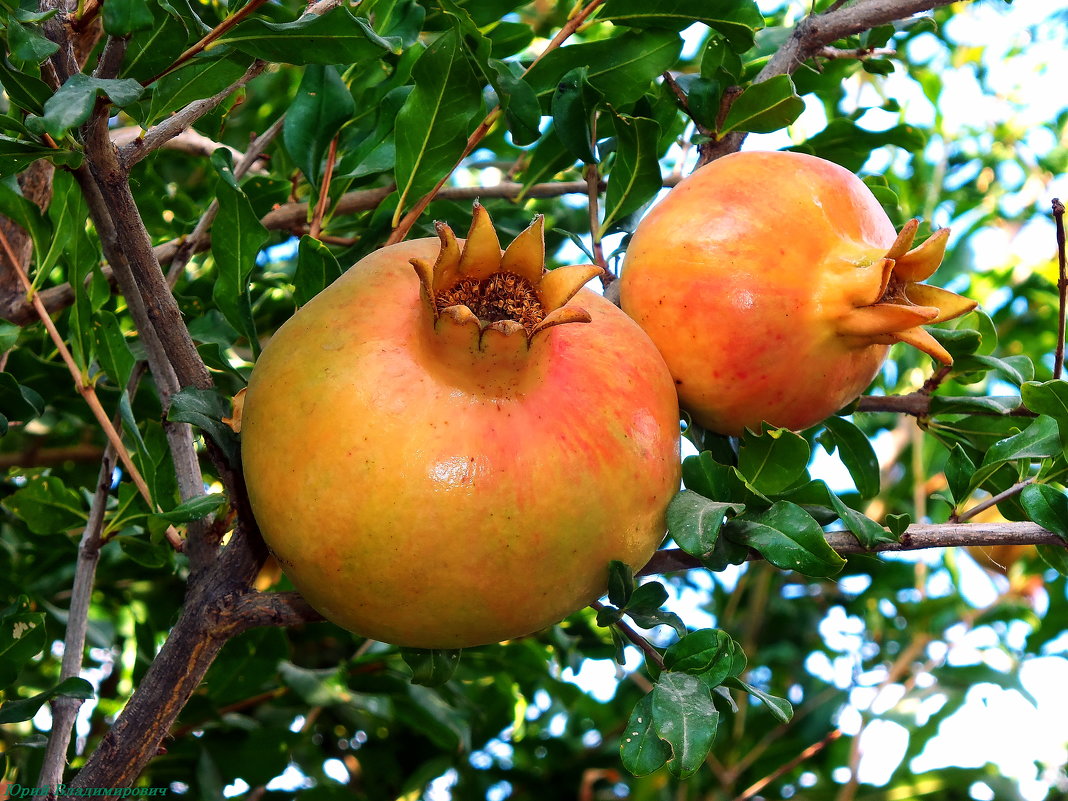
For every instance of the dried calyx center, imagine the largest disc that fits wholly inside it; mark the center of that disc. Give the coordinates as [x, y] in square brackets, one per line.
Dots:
[501, 296]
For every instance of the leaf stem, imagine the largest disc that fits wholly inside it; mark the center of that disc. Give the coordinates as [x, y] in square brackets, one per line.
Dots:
[637, 639]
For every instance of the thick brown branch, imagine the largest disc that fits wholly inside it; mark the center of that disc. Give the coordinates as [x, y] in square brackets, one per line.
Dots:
[917, 537]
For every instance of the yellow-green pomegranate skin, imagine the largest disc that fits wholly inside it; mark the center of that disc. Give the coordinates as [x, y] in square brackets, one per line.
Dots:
[423, 492]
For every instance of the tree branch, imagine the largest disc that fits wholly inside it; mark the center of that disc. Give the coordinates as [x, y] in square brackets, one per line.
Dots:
[916, 538]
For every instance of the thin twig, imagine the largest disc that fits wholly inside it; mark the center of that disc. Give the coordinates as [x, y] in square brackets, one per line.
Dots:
[1062, 287]
[324, 191]
[994, 500]
[809, 752]
[85, 390]
[637, 639]
[216, 32]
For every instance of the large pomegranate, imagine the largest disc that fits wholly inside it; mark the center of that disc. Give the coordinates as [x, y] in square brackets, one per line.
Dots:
[773, 284]
[451, 454]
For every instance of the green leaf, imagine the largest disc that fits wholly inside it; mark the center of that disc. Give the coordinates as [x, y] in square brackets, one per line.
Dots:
[431, 667]
[856, 453]
[26, 708]
[1039, 440]
[764, 107]
[844, 142]
[658, 617]
[703, 474]
[773, 461]
[46, 505]
[1048, 507]
[959, 471]
[781, 709]
[694, 522]
[16, 155]
[867, 531]
[26, 45]
[72, 104]
[738, 20]
[647, 597]
[1050, 398]
[620, 68]
[705, 652]
[205, 408]
[235, 254]
[194, 509]
[518, 99]
[686, 719]
[123, 17]
[15, 207]
[634, 178]
[620, 583]
[23, 635]
[789, 538]
[145, 553]
[898, 524]
[640, 749]
[573, 106]
[317, 268]
[336, 37]
[112, 350]
[322, 105]
[28, 92]
[202, 77]
[433, 124]
[18, 401]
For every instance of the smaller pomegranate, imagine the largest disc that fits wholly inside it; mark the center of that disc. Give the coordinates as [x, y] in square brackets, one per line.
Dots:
[451, 455]
[773, 284]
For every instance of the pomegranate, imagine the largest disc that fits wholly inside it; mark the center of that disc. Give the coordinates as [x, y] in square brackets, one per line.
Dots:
[450, 455]
[773, 284]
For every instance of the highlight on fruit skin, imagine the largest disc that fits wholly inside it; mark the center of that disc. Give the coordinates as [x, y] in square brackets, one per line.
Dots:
[774, 283]
[437, 460]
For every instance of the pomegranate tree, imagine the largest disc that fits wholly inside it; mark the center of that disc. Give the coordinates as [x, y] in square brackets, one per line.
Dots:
[448, 445]
[774, 283]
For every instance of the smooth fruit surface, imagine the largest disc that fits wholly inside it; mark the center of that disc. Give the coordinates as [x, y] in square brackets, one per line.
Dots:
[773, 284]
[431, 479]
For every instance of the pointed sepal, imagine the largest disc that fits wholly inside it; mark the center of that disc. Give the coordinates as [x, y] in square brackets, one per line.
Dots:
[565, 314]
[920, 263]
[526, 255]
[904, 240]
[884, 318]
[447, 266]
[558, 286]
[922, 340]
[949, 304]
[481, 256]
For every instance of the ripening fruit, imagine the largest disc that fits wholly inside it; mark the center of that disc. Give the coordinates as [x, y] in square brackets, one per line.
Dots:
[451, 455]
[773, 284]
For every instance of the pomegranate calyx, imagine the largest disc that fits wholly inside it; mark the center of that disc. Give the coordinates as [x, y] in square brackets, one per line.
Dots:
[904, 304]
[493, 287]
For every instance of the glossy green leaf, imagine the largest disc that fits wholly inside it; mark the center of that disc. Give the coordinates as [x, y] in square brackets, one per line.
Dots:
[47, 506]
[573, 106]
[789, 538]
[26, 708]
[703, 474]
[845, 142]
[621, 67]
[23, 635]
[435, 120]
[1048, 507]
[17, 155]
[205, 408]
[634, 178]
[738, 20]
[431, 667]
[147, 554]
[856, 453]
[72, 104]
[764, 107]
[686, 719]
[194, 508]
[15, 207]
[1054, 556]
[322, 105]
[781, 709]
[1049, 398]
[620, 583]
[18, 401]
[317, 268]
[774, 460]
[28, 92]
[641, 749]
[1039, 440]
[898, 524]
[336, 37]
[150, 52]
[123, 17]
[705, 652]
[867, 531]
[235, 254]
[202, 77]
[28, 46]
[959, 471]
[694, 521]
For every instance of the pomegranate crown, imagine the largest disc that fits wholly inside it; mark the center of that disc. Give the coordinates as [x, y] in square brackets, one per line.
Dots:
[903, 304]
[509, 293]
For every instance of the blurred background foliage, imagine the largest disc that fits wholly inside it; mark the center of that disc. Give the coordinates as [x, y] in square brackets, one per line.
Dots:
[936, 675]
